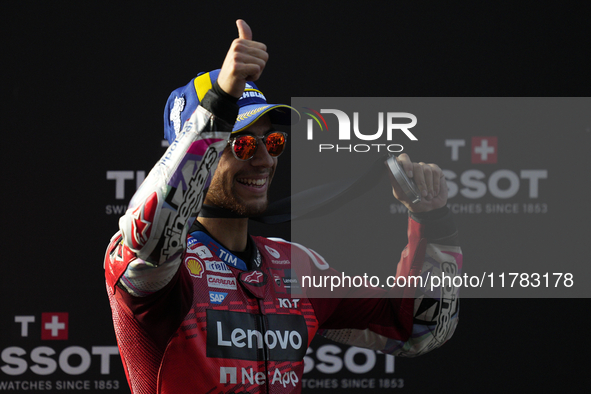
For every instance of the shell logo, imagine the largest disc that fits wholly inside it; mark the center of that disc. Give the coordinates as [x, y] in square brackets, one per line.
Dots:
[194, 266]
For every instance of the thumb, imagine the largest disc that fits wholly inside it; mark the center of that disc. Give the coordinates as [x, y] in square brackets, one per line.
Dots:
[243, 30]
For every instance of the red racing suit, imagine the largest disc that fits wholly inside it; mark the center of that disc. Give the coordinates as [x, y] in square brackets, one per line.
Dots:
[190, 316]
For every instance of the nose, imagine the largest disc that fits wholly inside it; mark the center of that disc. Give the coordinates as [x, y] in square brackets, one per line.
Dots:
[261, 157]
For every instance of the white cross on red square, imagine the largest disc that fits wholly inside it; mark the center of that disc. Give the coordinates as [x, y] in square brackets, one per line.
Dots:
[54, 326]
[484, 150]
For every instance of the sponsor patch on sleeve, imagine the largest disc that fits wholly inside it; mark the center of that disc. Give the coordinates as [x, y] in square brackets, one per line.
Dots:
[216, 297]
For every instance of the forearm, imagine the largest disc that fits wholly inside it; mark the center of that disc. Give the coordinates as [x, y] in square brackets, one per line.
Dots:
[410, 320]
[149, 248]
[437, 253]
[164, 207]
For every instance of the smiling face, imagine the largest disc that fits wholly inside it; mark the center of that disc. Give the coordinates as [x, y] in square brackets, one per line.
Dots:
[241, 186]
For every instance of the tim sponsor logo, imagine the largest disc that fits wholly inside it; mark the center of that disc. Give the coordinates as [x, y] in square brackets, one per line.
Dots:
[228, 258]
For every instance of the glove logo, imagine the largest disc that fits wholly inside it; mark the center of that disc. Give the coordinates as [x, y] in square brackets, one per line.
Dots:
[253, 277]
[141, 223]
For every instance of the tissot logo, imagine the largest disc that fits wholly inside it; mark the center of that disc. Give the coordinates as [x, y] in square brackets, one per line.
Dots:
[246, 336]
[25, 357]
[501, 183]
[391, 125]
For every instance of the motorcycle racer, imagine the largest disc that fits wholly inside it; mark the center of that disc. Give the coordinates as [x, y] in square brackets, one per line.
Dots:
[197, 301]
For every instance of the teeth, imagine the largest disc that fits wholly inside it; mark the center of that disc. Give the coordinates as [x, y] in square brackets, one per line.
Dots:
[253, 182]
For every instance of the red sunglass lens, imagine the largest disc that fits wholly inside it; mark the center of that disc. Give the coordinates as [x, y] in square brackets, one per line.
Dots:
[244, 147]
[275, 143]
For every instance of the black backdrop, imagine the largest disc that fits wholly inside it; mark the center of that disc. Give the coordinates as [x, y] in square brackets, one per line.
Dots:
[83, 88]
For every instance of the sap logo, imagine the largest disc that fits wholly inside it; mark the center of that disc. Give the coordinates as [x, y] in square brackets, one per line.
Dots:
[216, 297]
[288, 303]
[345, 125]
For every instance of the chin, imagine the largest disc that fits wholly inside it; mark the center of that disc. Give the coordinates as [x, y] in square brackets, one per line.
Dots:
[253, 209]
[239, 206]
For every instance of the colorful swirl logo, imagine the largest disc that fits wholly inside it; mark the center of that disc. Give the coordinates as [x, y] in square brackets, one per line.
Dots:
[315, 115]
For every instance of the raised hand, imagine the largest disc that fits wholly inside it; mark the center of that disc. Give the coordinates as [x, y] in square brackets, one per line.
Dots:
[431, 183]
[245, 61]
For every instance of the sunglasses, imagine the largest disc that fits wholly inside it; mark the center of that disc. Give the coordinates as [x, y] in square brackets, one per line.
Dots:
[244, 146]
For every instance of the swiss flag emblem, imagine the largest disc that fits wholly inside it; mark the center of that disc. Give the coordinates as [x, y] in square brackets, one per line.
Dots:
[54, 326]
[484, 150]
